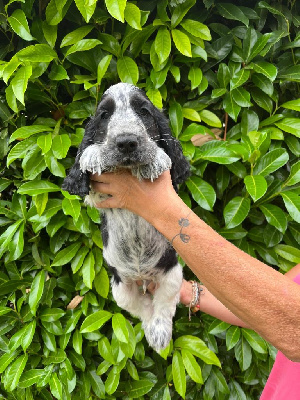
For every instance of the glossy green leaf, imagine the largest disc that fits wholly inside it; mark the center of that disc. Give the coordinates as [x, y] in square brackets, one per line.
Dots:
[56, 387]
[76, 35]
[140, 388]
[291, 125]
[83, 45]
[86, 8]
[55, 358]
[112, 380]
[55, 11]
[38, 187]
[191, 366]
[64, 256]
[231, 107]
[275, 216]
[37, 288]
[180, 11]
[256, 342]
[192, 130]
[236, 211]
[294, 176]
[176, 118]
[28, 335]
[58, 73]
[132, 15]
[239, 78]
[231, 11]
[71, 207]
[105, 350]
[196, 29]
[233, 335]
[241, 97]
[197, 347]
[50, 33]
[102, 67]
[37, 53]
[120, 328]
[218, 152]
[290, 74]
[49, 340]
[116, 8]
[292, 105]
[182, 42]
[19, 24]
[72, 321]
[178, 373]
[155, 97]
[243, 354]
[256, 186]
[101, 283]
[27, 131]
[15, 371]
[210, 118]
[31, 377]
[191, 114]
[262, 99]
[61, 145]
[271, 162]
[44, 142]
[273, 10]
[51, 314]
[288, 252]
[88, 270]
[162, 44]
[128, 70]
[95, 321]
[267, 69]
[203, 193]
[263, 83]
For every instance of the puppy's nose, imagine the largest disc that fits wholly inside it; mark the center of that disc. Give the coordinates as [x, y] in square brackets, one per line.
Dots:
[127, 143]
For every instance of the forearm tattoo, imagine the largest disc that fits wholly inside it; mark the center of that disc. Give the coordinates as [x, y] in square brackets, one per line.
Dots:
[183, 223]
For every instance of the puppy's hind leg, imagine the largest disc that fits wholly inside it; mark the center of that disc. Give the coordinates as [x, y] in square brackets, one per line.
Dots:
[130, 298]
[158, 331]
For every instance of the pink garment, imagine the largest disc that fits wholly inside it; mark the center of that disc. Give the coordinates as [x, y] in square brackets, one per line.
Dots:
[284, 380]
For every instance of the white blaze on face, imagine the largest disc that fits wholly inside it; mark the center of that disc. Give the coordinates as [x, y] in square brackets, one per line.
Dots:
[124, 120]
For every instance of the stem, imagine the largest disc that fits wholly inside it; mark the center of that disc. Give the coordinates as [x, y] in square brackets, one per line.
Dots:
[226, 125]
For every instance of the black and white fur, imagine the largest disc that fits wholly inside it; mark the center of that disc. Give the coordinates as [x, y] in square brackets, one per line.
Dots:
[128, 131]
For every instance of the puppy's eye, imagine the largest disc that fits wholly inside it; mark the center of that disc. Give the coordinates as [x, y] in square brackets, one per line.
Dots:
[104, 115]
[144, 111]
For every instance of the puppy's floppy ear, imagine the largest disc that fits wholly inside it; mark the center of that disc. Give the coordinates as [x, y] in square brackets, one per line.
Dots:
[180, 170]
[77, 182]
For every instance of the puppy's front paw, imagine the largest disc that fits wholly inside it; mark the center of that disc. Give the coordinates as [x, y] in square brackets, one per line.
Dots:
[158, 333]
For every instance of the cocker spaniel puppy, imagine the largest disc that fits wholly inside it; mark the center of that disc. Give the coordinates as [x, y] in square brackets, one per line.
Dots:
[129, 132]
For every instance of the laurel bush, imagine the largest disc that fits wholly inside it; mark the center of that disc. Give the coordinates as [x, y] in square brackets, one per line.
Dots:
[227, 75]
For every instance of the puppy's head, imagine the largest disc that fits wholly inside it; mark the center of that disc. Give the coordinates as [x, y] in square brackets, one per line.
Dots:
[126, 131]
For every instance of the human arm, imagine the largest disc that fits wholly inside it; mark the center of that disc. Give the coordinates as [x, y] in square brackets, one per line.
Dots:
[264, 299]
[209, 304]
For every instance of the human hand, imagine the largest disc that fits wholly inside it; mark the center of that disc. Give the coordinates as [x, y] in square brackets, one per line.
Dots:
[186, 291]
[142, 197]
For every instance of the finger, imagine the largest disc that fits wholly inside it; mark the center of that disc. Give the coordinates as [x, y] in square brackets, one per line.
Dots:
[109, 176]
[100, 187]
[101, 178]
[107, 203]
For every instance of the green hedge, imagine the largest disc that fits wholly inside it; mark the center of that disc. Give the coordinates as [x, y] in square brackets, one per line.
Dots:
[228, 78]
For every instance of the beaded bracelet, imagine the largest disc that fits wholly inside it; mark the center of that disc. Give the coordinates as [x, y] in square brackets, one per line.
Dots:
[195, 302]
